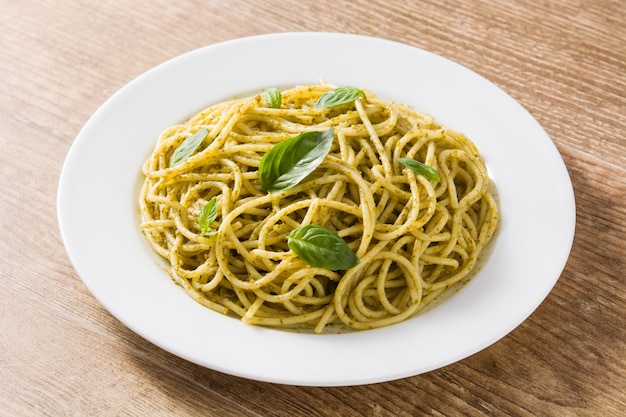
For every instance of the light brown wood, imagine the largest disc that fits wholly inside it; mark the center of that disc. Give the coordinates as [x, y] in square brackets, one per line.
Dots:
[62, 353]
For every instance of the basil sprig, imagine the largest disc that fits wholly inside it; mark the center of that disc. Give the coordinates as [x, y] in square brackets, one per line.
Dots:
[321, 248]
[273, 97]
[338, 96]
[420, 168]
[207, 217]
[188, 147]
[290, 161]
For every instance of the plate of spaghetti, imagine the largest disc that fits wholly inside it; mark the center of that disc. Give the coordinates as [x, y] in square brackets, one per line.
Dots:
[316, 209]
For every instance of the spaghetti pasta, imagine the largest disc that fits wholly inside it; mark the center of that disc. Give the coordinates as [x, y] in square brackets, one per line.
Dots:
[414, 237]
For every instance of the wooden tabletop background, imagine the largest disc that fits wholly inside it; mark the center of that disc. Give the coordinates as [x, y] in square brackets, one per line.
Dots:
[63, 354]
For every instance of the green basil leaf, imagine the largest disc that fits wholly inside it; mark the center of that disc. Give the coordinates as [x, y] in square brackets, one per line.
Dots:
[420, 168]
[321, 248]
[338, 96]
[290, 161]
[273, 97]
[188, 147]
[207, 216]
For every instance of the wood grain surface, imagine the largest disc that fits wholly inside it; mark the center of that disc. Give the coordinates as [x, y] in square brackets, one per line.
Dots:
[63, 354]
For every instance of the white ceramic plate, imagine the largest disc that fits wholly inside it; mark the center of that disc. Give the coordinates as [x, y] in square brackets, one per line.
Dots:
[98, 213]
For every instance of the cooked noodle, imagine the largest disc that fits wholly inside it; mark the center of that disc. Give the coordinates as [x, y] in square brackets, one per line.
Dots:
[414, 237]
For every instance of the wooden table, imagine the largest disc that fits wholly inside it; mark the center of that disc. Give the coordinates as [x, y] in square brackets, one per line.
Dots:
[63, 354]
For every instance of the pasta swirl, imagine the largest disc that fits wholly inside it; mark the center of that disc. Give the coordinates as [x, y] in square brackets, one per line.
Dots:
[414, 237]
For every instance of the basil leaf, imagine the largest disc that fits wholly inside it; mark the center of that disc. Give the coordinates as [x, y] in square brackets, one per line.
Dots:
[290, 161]
[207, 216]
[338, 96]
[188, 147]
[422, 169]
[321, 248]
[273, 97]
